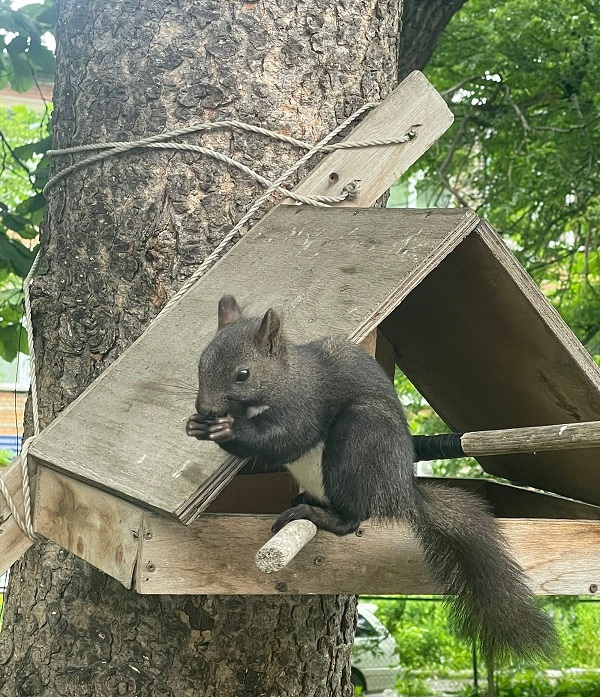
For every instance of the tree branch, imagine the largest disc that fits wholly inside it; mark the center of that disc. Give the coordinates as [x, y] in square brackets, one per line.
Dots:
[423, 22]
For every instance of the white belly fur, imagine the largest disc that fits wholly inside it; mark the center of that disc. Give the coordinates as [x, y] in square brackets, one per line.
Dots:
[308, 472]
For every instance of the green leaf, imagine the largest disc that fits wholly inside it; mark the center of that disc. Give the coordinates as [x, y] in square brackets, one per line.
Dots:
[27, 151]
[15, 256]
[33, 203]
[9, 20]
[17, 45]
[47, 18]
[21, 76]
[23, 345]
[9, 342]
[14, 222]
[42, 57]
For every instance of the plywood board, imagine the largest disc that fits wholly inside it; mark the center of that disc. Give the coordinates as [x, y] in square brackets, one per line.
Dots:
[215, 555]
[414, 105]
[188, 482]
[103, 530]
[329, 270]
[508, 501]
[488, 351]
[13, 541]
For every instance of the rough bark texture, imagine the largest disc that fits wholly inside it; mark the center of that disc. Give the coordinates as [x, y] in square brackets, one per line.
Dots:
[118, 241]
[423, 22]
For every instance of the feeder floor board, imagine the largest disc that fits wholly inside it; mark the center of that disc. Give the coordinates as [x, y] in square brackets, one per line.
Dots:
[215, 555]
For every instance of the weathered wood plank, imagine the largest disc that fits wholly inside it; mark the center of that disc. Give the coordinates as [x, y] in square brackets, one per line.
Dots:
[330, 270]
[561, 557]
[534, 439]
[415, 102]
[369, 343]
[488, 351]
[509, 501]
[13, 541]
[99, 528]
[385, 355]
[216, 553]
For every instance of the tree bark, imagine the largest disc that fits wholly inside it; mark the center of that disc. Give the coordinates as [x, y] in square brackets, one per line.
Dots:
[423, 22]
[119, 239]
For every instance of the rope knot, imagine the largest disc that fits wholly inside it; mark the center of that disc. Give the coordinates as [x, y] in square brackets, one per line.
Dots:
[351, 189]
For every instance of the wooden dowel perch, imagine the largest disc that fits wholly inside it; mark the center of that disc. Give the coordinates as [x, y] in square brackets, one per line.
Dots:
[283, 547]
[533, 439]
[509, 441]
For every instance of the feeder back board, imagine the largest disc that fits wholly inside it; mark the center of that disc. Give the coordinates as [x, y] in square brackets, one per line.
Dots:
[488, 351]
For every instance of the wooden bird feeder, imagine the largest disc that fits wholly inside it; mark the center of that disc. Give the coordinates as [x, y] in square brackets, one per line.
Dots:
[434, 292]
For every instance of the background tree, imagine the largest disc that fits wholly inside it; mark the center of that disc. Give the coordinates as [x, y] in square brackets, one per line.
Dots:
[23, 169]
[520, 76]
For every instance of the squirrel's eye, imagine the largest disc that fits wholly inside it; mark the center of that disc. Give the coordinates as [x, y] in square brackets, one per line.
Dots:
[243, 375]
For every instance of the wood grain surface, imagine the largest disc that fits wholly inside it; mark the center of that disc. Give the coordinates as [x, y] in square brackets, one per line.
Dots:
[13, 541]
[329, 271]
[104, 530]
[560, 557]
[488, 351]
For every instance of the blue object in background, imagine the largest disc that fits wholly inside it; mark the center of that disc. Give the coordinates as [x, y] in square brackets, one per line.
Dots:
[11, 443]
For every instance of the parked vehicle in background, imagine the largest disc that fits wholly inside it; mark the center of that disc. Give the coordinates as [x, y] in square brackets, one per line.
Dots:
[375, 663]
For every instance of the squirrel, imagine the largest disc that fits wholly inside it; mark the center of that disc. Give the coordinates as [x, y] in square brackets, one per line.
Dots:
[329, 413]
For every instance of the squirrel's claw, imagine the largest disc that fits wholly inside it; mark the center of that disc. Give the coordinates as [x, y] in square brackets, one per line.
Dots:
[220, 430]
[202, 427]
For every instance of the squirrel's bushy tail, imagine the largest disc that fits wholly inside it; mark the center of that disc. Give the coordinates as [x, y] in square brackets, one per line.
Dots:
[469, 559]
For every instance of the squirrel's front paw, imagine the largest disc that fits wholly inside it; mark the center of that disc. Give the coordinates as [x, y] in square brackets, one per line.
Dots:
[217, 429]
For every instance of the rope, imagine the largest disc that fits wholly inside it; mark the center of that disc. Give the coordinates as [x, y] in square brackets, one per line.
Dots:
[26, 524]
[350, 191]
[156, 142]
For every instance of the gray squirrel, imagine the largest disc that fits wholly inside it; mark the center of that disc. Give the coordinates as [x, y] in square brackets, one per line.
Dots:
[329, 413]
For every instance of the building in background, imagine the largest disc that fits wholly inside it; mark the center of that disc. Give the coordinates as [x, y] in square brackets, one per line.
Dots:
[14, 385]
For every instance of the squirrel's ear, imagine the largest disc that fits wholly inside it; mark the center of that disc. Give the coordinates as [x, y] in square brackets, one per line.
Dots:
[270, 332]
[229, 311]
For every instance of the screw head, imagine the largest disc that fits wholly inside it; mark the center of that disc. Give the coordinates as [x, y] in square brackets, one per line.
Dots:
[319, 561]
[281, 587]
[151, 566]
[360, 532]
[594, 588]
[148, 535]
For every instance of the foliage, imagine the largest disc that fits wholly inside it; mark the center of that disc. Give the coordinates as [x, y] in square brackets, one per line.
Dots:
[578, 625]
[421, 628]
[520, 77]
[21, 211]
[534, 684]
[23, 56]
[24, 140]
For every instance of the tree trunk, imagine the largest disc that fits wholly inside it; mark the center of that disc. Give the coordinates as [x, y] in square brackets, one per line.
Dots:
[423, 22]
[119, 239]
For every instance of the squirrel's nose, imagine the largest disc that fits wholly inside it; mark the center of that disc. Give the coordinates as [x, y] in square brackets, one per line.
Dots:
[208, 407]
[203, 406]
